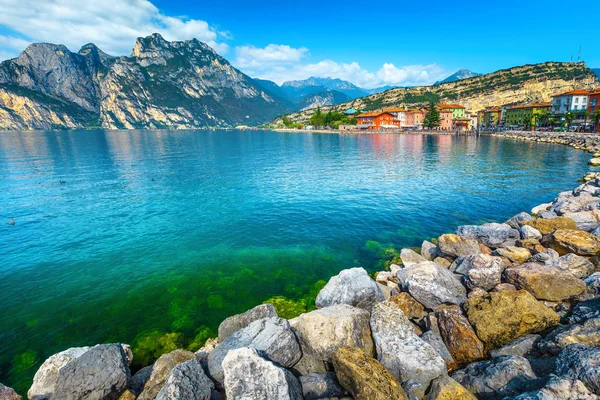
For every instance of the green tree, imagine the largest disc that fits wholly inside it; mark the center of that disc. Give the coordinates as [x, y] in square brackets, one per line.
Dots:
[329, 118]
[317, 119]
[287, 122]
[585, 114]
[553, 121]
[543, 118]
[569, 117]
[432, 118]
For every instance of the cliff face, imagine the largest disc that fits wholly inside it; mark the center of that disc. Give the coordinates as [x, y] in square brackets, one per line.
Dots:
[520, 84]
[161, 85]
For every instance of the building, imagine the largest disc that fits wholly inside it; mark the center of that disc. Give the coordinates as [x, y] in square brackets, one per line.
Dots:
[376, 120]
[462, 124]
[399, 114]
[505, 107]
[573, 101]
[489, 117]
[527, 115]
[473, 123]
[594, 101]
[414, 118]
[446, 119]
[350, 111]
[458, 111]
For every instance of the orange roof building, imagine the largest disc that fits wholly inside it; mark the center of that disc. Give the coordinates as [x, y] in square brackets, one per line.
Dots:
[376, 120]
[594, 101]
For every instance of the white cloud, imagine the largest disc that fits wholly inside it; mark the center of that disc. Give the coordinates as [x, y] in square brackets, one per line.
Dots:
[113, 25]
[388, 74]
[271, 55]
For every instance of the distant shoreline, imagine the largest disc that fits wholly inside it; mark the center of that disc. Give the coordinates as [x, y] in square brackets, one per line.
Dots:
[367, 132]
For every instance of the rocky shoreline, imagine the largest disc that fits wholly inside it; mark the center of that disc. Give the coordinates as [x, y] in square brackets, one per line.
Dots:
[495, 311]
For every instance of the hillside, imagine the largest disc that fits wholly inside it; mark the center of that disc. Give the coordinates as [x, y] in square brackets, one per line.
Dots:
[163, 84]
[519, 84]
[327, 98]
[459, 75]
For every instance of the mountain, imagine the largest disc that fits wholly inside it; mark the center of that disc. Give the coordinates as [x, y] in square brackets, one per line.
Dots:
[459, 75]
[596, 71]
[327, 98]
[163, 84]
[339, 85]
[379, 89]
[529, 83]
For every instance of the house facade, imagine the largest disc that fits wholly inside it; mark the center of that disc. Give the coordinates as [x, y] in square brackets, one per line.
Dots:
[526, 114]
[490, 116]
[399, 114]
[574, 101]
[594, 101]
[414, 119]
[446, 119]
[458, 111]
[376, 120]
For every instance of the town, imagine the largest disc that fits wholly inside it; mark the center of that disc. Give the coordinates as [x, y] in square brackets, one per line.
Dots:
[576, 111]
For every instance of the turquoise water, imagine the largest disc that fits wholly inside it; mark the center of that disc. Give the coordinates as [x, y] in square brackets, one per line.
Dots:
[154, 237]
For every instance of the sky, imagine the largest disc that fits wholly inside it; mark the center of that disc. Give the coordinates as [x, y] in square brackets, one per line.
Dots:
[370, 44]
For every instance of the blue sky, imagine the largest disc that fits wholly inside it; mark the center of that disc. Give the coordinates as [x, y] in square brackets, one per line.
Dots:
[369, 43]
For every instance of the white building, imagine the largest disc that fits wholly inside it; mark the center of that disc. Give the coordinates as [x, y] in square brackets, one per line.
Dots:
[573, 101]
[399, 115]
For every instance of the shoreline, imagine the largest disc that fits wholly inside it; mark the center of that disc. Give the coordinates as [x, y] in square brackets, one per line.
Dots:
[590, 143]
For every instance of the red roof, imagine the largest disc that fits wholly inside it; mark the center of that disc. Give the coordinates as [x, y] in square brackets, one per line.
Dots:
[452, 106]
[372, 114]
[573, 93]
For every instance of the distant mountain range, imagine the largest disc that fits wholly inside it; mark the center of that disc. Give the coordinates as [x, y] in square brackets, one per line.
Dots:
[459, 75]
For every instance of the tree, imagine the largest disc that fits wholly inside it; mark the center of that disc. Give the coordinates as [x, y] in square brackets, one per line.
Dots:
[317, 119]
[553, 121]
[432, 118]
[569, 117]
[586, 114]
[596, 119]
[287, 122]
[543, 118]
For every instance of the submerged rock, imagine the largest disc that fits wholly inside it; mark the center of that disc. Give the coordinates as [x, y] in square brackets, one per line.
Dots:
[273, 337]
[501, 317]
[161, 370]
[456, 246]
[580, 362]
[239, 321]
[249, 376]
[411, 360]
[493, 235]
[187, 381]
[432, 285]
[496, 378]
[544, 282]
[353, 287]
[322, 332]
[364, 377]
[101, 373]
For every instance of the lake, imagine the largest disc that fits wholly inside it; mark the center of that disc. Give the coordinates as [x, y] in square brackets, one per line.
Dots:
[154, 237]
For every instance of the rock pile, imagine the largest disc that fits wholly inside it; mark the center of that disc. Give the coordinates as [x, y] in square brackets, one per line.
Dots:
[497, 311]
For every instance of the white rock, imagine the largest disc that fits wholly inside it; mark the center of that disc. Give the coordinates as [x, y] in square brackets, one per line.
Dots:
[353, 287]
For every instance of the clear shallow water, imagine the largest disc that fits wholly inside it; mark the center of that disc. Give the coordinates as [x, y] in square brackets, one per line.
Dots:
[155, 233]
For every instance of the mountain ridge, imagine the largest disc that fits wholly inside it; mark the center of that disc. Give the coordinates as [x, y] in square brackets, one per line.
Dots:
[459, 75]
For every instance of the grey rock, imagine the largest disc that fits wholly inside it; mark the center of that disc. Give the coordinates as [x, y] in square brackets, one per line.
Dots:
[548, 215]
[401, 351]
[249, 376]
[161, 370]
[544, 257]
[585, 220]
[432, 285]
[435, 340]
[556, 388]
[593, 283]
[587, 333]
[309, 365]
[479, 270]
[567, 203]
[585, 310]
[7, 393]
[321, 386]
[529, 232]
[139, 379]
[492, 235]
[101, 373]
[496, 378]
[239, 321]
[187, 381]
[596, 232]
[518, 220]
[579, 266]
[429, 250]
[322, 332]
[45, 378]
[410, 257]
[541, 208]
[580, 362]
[519, 347]
[353, 287]
[272, 337]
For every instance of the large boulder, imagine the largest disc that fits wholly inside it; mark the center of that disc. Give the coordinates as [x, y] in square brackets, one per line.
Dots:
[579, 266]
[273, 337]
[492, 235]
[446, 388]
[409, 306]
[547, 226]
[456, 246]
[45, 378]
[544, 282]
[501, 317]
[593, 283]
[435, 340]
[568, 203]
[432, 285]
[518, 220]
[364, 377]
[101, 373]
[529, 232]
[187, 381]
[479, 270]
[322, 332]
[585, 310]
[239, 321]
[429, 250]
[161, 370]
[353, 287]
[556, 388]
[411, 360]
[7, 393]
[566, 241]
[518, 347]
[580, 362]
[459, 337]
[585, 220]
[587, 333]
[410, 257]
[496, 378]
[517, 255]
[249, 376]
[321, 386]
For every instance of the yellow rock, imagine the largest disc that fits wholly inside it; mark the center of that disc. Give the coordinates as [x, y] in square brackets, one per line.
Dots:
[547, 226]
[446, 388]
[566, 241]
